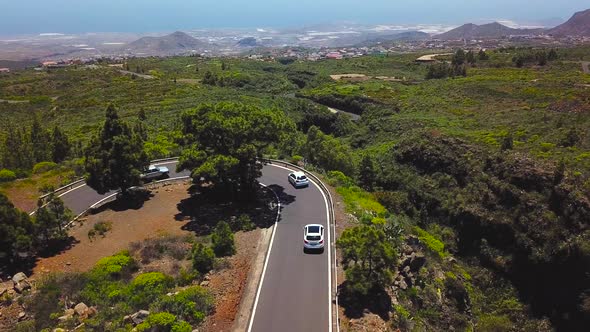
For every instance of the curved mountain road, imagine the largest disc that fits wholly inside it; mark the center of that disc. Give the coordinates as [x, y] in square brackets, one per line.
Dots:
[295, 291]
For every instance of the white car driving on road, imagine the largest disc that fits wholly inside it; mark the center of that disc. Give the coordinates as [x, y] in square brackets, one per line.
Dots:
[298, 179]
[313, 237]
[155, 172]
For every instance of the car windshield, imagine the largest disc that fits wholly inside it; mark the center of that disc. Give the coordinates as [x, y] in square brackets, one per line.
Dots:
[313, 229]
[302, 177]
[313, 237]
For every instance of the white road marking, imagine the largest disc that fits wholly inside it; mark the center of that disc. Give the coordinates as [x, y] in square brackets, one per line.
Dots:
[329, 252]
[272, 237]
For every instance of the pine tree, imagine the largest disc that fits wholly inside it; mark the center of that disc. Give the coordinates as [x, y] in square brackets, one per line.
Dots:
[482, 55]
[458, 58]
[367, 173]
[115, 156]
[60, 145]
[470, 58]
[39, 141]
[222, 240]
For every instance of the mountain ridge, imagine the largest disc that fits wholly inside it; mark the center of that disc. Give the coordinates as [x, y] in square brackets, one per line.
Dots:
[577, 25]
[174, 43]
[493, 30]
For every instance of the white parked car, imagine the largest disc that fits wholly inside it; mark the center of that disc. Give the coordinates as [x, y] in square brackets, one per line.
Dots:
[155, 172]
[298, 179]
[313, 237]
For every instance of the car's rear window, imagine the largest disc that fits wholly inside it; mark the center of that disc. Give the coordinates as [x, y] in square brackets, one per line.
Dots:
[313, 229]
[313, 237]
[302, 177]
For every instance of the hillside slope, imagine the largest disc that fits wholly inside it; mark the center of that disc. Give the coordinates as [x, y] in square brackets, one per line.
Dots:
[577, 25]
[487, 31]
[175, 43]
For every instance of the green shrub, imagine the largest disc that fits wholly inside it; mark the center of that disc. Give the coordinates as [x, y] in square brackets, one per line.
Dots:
[203, 258]
[181, 326]
[115, 265]
[26, 326]
[44, 166]
[191, 304]
[147, 287]
[100, 228]
[296, 159]
[186, 277]
[493, 323]
[339, 179]
[223, 240]
[244, 223]
[359, 201]
[431, 242]
[161, 321]
[7, 175]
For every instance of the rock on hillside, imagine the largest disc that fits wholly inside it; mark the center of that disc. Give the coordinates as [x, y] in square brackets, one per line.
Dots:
[578, 25]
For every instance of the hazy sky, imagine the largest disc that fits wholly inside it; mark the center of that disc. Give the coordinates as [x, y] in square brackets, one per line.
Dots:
[71, 16]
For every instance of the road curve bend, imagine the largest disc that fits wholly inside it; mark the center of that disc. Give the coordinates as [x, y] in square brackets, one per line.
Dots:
[295, 289]
[294, 293]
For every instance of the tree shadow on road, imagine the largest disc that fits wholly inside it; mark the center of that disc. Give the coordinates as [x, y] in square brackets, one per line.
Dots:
[285, 198]
[376, 301]
[132, 201]
[203, 211]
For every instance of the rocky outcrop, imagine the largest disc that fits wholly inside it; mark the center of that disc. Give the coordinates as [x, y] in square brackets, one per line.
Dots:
[21, 282]
[411, 261]
[137, 318]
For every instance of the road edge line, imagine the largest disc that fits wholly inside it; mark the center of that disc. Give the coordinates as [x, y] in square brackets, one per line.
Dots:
[272, 237]
[329, 257]
[330, 328]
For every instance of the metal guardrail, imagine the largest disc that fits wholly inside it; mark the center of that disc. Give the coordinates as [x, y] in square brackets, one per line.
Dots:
[81, 179]
[109, 198]
[332, 223]
[66, 187]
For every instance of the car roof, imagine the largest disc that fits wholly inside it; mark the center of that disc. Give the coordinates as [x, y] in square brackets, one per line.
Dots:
[298, 173]
[311, 225]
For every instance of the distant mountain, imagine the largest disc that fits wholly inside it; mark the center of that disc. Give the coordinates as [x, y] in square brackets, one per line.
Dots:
[247, 42]
[175, 43]
[578, 25]
[486, 31]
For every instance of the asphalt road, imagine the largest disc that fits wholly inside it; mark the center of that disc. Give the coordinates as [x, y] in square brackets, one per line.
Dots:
[294, 294]
[81, 197]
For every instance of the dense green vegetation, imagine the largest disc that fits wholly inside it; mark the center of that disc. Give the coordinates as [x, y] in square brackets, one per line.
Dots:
[115, 288]
[115, 158]
[491, 166]
[22, 236]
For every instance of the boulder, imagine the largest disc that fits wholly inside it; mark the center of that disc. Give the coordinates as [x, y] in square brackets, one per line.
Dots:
[69, 313]
[406, 270]
[81, 309]
[19, 277]
[137, 318]
[402, 284]
[21, 286]
[22, 315]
